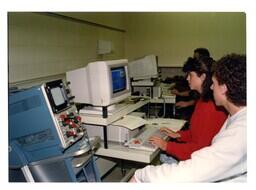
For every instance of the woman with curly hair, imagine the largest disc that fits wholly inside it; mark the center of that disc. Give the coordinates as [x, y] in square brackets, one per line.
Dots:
[225, 159]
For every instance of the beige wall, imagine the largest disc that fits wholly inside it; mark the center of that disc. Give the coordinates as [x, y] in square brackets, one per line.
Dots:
[112, 19]
[174, 36]
[41, 46]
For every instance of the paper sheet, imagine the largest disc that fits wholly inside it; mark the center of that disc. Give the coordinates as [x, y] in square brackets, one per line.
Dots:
[130, 122]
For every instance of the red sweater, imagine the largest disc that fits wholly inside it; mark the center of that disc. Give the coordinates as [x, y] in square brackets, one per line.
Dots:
[205, 123]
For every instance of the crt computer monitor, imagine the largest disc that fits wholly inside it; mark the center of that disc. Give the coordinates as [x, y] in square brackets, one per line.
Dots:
[100, 83]
[143, 68]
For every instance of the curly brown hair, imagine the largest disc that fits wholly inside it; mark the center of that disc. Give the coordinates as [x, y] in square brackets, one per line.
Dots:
[231, 71]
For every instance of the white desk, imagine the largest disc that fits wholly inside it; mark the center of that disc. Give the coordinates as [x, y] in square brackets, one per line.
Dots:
[165, 99]
[170, 99]
[116, 150]
[100, 120]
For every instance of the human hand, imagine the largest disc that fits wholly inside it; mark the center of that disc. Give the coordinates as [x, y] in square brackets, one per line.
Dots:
[181, 104]
[157, 141]
[165, 130]
[169, 132]
[133, 180]
[174, 91]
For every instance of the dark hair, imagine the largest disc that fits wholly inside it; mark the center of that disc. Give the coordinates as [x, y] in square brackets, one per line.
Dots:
[201, 66]
[202, 52]
[231, 71]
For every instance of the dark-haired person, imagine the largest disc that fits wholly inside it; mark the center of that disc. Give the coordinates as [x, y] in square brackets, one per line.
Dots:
[185, 100]
[225, 159]
[201, 131]
[201, 52]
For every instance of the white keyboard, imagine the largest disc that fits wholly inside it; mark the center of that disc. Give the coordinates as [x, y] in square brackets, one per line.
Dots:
[173, 124]
[141, 141]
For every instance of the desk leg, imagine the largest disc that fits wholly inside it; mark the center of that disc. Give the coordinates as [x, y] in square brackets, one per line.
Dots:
[105, 134]
[174, 111]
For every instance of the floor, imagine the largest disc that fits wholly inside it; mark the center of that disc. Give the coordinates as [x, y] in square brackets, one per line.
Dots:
[124, 170]
[118, 176]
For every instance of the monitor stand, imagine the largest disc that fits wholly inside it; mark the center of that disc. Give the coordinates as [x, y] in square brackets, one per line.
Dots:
[110, 108]
[98, 109]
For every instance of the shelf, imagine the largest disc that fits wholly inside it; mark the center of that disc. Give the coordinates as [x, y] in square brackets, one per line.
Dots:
[99, 120]
[116, 150]
[165, 99]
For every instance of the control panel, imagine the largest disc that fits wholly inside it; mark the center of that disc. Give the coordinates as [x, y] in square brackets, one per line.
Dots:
[45, 136]
[69, 123]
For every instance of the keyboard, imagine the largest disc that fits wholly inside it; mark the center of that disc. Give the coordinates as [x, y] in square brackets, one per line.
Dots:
[141, 141]
[173, 124]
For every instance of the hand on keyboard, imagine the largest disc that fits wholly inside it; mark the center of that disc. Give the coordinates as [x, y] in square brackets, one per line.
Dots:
[159, 142]
[143, 142]
[169, 132]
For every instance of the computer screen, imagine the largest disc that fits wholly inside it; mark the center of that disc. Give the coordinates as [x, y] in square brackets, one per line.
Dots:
[57, 95]
[118, 79]
[100, 83]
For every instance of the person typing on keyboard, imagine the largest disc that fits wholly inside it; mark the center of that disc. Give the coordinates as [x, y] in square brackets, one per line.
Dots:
[205, 121]
[225, 160]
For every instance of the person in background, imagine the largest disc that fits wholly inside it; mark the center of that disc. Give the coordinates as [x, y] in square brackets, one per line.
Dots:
[180, 85]
[226, 158]
[185, 98]
[201, 52]
[201, 131]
